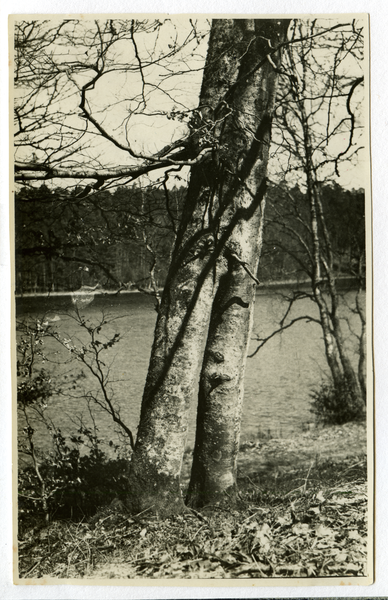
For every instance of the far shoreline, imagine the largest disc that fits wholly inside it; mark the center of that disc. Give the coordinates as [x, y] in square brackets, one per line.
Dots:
[348, 280]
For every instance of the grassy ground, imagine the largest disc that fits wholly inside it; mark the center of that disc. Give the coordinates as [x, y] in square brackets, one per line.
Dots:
[302, 513]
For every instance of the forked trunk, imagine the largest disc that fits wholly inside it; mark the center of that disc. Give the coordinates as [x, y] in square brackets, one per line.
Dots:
[225, 190]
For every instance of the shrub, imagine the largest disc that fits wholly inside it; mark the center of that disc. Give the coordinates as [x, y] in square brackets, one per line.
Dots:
[335, 404]
[78, 479]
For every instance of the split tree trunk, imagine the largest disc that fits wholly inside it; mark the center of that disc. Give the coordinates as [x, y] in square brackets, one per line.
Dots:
[224, 194]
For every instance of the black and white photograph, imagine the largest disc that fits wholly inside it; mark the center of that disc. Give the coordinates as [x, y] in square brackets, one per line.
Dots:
[192, 273]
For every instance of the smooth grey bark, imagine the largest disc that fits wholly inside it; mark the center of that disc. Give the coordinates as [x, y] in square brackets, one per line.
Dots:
[181, 327]
[224, 195]
[214, 470]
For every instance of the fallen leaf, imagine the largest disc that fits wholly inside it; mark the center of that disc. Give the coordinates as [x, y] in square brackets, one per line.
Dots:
[341, 557]
[301, 528]
[165, 557]
[315, 510]
[283, 521]
[322, 531]
[320, 497]
[311, 569]
[181, 549]
[354, 535]
[263, 537]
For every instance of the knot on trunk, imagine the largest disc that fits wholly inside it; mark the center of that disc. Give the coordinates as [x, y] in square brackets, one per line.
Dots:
[217, 455]
[218, 379]
[218, 357]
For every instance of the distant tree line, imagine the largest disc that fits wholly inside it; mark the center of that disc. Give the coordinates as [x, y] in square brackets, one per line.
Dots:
[288, 240]
[117, 239]
[124, 238]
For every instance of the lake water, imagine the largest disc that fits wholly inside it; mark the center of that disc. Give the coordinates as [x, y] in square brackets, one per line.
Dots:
[278, 379]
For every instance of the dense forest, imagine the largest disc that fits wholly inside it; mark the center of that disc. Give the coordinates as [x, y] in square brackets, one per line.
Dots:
[123, 239]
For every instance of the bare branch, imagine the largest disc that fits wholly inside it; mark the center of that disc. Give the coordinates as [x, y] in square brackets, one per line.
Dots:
[263, 341]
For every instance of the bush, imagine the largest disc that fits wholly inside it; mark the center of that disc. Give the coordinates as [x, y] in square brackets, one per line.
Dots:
[76, 477]
[336, 404]
[78, 480]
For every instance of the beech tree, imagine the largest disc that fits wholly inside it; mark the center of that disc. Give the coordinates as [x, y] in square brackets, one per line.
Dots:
[317, 106]
[85, 91]
[211, 272]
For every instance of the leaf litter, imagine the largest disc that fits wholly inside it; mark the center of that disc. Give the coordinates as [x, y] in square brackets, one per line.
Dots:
[307, 520]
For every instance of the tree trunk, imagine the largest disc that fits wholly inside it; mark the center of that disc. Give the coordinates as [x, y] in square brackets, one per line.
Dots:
[222, 194]
[352, 380]
[317, 280]
[349, 372]
[328, 337]
[180, 330]
[214, 470]
[321, 254]
[213, 476]
[317, 255]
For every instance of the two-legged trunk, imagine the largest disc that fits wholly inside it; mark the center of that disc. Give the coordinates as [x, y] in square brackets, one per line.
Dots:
[225, 190]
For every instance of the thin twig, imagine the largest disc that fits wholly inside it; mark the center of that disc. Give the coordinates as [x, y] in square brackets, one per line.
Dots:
[33, 568]
[245, 266]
